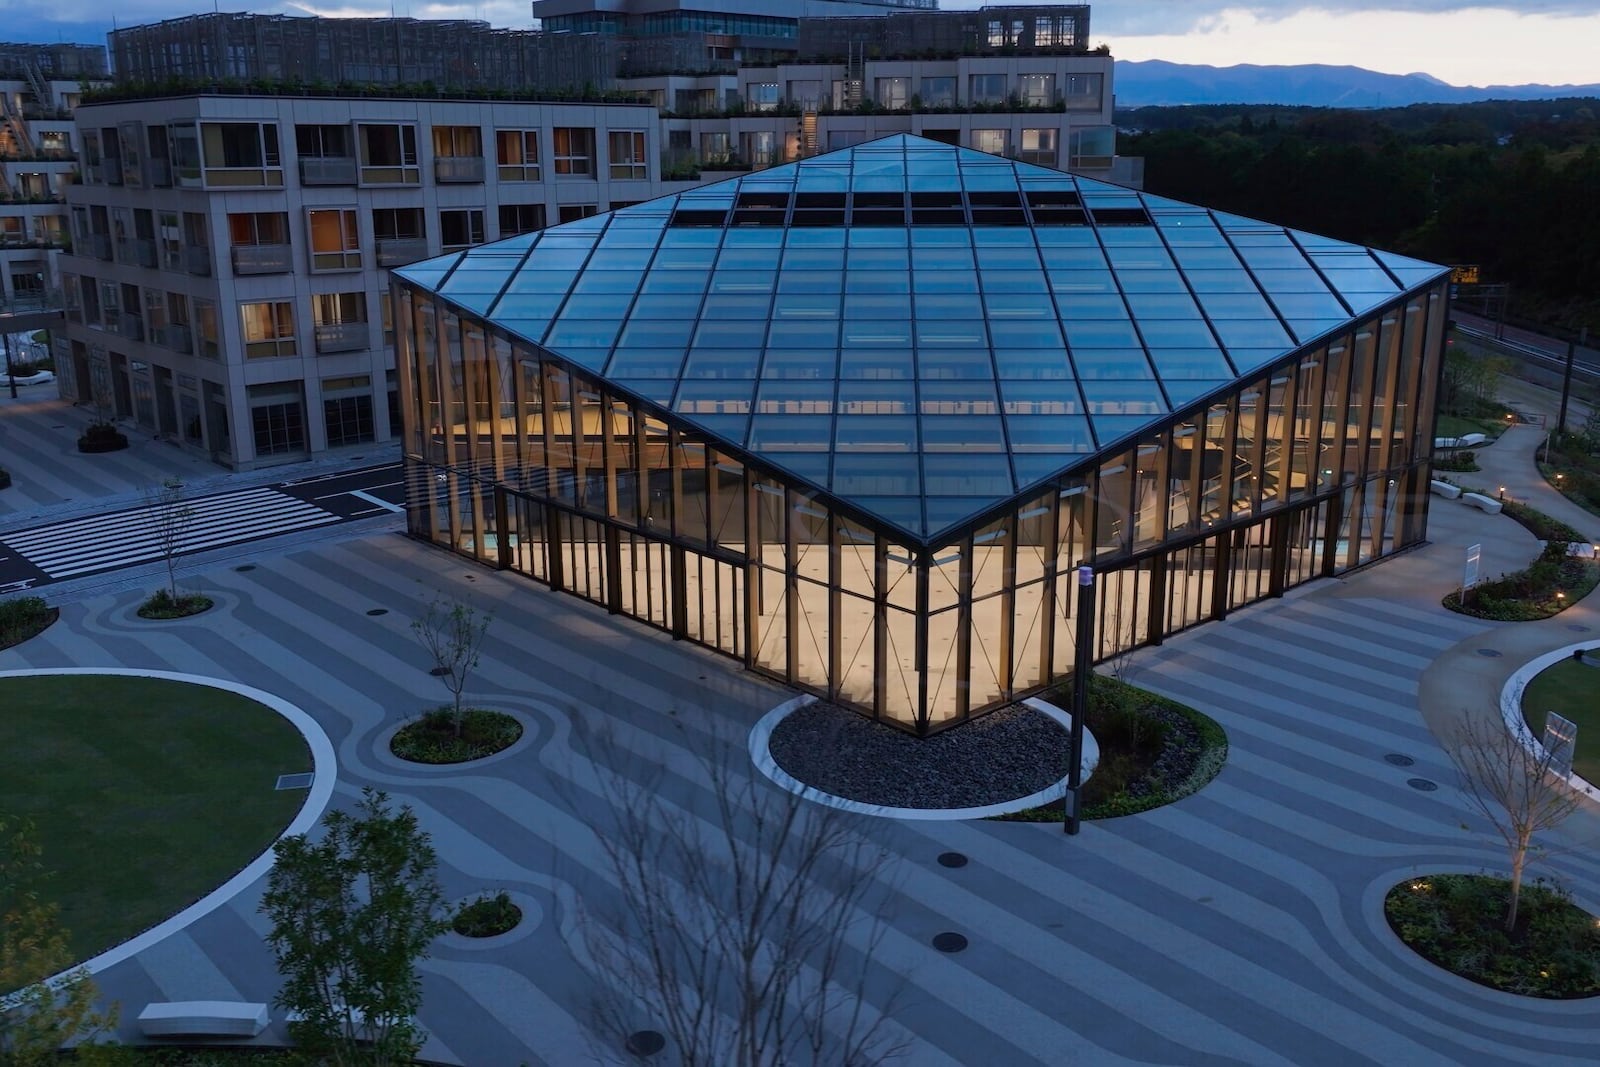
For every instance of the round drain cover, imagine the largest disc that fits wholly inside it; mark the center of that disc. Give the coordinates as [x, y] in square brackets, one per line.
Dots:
[948, 941]
[952, 859]
[1398, 760]
[377, 611]
[646, 1042]
[246, 568]
[1492, 653]
[1422, 784]
[1579, 627]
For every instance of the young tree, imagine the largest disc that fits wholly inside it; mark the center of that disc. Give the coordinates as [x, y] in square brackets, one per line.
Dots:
[1514, 786]
[745, 931]
[453, 634]
[168, 515]
[36, 1016]
[351, 915]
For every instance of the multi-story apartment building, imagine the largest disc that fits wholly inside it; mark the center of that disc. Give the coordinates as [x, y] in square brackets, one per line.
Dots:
[227, 285]
[40, 84]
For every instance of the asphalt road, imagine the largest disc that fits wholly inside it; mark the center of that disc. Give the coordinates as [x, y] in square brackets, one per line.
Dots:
[128, 537]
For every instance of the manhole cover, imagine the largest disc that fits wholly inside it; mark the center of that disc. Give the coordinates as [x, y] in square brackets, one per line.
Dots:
[246, 568]
[1398, 760]
[1422, 784]
[58, 426]
[1492, 653]
[952, 859]
[438, 672]
[295, 781]
[645, 1042]
[1578, 626]
[949, 941]
[377, 611]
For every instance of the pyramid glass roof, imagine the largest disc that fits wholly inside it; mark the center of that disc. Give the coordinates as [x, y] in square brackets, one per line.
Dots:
[919, 329]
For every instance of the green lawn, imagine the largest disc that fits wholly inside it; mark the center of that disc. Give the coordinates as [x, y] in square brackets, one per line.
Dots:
[147, 794]
[1458, 426]
[1571, 690]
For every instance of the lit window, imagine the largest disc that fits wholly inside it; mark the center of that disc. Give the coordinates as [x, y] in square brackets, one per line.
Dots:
[574, 150]
[517, 155]
[268, 329]
[628, 154]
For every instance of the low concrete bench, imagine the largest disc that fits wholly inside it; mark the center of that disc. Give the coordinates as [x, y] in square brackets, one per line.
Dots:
[1445, 489]
[203, 1018]
[1481, 502]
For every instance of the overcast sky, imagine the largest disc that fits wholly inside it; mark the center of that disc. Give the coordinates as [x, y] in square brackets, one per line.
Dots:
[1492, 42]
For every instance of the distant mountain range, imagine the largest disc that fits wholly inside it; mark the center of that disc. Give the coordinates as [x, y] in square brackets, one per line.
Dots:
[1142, 83]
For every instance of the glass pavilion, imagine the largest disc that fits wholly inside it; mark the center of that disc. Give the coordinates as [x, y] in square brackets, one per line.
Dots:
[854, 420]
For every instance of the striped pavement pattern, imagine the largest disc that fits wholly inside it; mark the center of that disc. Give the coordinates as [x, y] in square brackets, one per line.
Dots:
[126, 538]
[1240, 926]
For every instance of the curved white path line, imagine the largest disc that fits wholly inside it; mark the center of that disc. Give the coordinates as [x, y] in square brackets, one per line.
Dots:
[1511, 705]
[761, 755]
[325, 771]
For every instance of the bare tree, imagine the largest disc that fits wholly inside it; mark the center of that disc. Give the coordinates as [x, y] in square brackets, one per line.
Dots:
[453, 634]
[168, 515]
[745, 931]
[1514, 786]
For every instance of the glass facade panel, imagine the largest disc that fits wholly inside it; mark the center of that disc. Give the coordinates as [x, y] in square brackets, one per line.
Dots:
[871, 471]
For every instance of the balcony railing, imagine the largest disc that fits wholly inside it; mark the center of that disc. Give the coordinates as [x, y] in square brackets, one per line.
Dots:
[158, 172]
[398, 251]
[197, 261]
[137, 250]
[261, 259]
[130, 326]
[100, 246]
[176, 337]
[342, 337]
[328, 170]
[458, 169]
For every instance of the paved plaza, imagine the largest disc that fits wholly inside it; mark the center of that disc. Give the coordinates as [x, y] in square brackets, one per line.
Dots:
[1240, 926]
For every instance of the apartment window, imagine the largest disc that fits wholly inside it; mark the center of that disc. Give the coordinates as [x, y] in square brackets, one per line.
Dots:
[277, 418]
[938, 92]
[327, 156]
[520, 218]
[386, 319]
[1082, 91]
[574, 212]
[335, 240]
[205, 327]
[240, 153]
[389, 154]
[1004, 32]
[260, 242]
[1039, 146]
[715, 148]
[574, 150]
[991, 141]
[268, 329]
[894, 93]
[1091, 149]
[1052, 31]
[987, 89]
[155, 311]
[627, 154]
[347, 410]
[457, 154]
[517, 155]
[1037, 90]
[184, 151]
[764, 96]
[460, 229]
[341, 321]
[806, 94]
[399, 235]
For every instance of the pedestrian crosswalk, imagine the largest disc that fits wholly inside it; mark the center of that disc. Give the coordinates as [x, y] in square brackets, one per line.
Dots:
[125, 538]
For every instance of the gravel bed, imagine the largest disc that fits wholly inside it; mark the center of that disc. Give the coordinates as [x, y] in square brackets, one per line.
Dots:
[1005, 755]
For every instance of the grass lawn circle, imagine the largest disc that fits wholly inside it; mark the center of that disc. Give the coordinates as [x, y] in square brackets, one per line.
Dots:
[1457, 921]
[431, 738]
[148, 793]
[1571, 689]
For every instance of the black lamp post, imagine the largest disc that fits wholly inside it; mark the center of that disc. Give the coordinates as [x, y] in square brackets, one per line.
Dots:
[11, 375]
[1082, 675]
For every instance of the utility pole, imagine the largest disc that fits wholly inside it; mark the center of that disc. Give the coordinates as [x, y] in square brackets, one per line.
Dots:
[11, 374]
[1082, 676]
[1566, 392]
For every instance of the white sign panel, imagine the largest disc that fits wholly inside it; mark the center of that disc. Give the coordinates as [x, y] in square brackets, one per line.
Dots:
[1560, 736]
[1470, 578]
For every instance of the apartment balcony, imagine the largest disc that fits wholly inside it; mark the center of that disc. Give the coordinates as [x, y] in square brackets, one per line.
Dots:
[137, 250]
[130, 326]
[458, 169]
[398, 251]
[342, 337]
[262, 259]
[158, 173]
[197, 261]
[100, 246]
[328, 170]
[175, 337]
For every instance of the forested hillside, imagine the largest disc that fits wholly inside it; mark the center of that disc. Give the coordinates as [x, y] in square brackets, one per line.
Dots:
[1513, 186]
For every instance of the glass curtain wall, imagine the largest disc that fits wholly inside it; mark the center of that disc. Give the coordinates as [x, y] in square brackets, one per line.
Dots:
[1305, 470]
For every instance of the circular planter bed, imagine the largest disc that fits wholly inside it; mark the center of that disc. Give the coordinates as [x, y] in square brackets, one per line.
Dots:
[1458, 922]
[163, 605]
[24, 617]
[433, 738]
[102, 437]
[487, 916]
